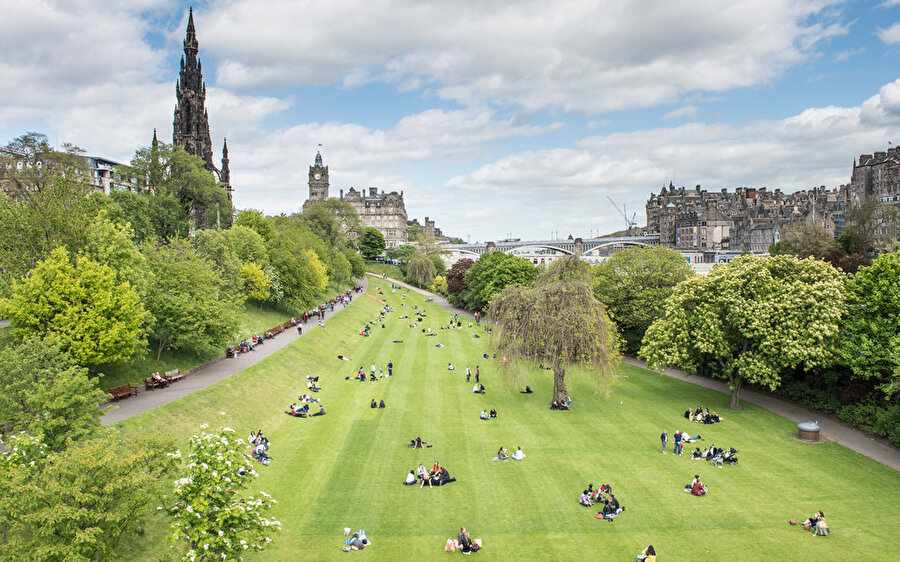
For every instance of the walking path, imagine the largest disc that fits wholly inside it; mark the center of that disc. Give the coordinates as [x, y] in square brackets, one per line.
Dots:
[832, 428]
[213, 372]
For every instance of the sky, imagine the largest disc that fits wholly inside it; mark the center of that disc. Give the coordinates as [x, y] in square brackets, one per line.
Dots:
[496, 119]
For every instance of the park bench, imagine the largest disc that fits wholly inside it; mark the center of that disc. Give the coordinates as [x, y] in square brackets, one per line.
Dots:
[174, 375]
[151, 384]
[277, 330]
[286, 325]
[123, 391]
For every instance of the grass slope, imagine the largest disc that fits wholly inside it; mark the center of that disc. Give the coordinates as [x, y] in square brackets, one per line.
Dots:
[345, 469]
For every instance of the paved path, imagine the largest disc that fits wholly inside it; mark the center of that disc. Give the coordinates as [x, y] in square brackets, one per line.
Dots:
[438, 299]
[4, 323]
[832, 428]
[210, 374]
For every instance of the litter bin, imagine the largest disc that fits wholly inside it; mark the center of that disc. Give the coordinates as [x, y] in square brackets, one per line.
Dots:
[808, 431]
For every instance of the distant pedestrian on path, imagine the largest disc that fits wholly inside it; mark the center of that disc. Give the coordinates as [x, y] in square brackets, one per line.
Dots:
[299, 329]
[664, 438]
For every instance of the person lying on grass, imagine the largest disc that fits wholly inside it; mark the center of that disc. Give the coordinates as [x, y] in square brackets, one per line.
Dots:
[478, 389]
[417, 443]
[527, 390]
[298, 411]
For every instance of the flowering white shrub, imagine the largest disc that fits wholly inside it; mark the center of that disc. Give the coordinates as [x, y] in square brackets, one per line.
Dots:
[209, 512]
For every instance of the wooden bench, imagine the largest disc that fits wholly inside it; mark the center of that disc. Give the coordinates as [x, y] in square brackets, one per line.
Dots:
[123, 391]
[286, 325]
[277, 330]
[174, 375]
[151, 384]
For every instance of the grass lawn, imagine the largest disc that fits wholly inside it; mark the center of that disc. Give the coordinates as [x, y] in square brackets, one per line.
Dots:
[390, 270]
[254, 319]
[345, 469]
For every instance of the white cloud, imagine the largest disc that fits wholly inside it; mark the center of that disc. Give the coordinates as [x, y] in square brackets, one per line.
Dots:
[685, 112]
[577, 55]
[849, 53]
[891, 34]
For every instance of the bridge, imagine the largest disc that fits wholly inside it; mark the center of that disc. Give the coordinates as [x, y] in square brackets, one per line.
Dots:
[589, 247]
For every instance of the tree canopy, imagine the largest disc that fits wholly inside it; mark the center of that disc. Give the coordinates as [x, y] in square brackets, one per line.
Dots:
[634, 283]
[558, 322]
[754, 318]
[371, 243]
[492, 273]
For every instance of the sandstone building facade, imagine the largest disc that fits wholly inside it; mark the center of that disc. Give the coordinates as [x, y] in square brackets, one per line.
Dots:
[382, 210]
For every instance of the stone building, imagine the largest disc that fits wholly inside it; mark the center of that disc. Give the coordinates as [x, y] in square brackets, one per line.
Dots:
[190, 128]
[428, 229]
[383, 211]
[877, 175]
[749, 219]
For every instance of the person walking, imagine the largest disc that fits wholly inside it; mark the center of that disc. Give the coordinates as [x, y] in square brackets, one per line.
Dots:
[664, 438]
[477, 373]
[390, 368]
[299, 329]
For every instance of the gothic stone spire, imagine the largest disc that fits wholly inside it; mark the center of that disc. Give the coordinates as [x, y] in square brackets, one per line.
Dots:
[190, 128]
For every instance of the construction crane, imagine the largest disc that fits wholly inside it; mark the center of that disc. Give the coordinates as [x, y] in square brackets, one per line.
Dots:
[629, 223]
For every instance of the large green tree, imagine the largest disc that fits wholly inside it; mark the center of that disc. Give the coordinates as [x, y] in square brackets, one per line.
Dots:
[184, 299]
[493, 272]
[83, 501]
[46, 394]
[420, 271]
[870, 335]
[371, 243]
[753, 318]
[79, 303]
[334, 221]
[634, 283]
[558, 322]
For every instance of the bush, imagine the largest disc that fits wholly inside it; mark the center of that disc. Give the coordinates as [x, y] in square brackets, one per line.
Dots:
[874, 418]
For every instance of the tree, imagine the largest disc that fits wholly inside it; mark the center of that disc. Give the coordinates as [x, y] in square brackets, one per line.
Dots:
[412, 233]
[112, 245]
[248, 245]
[209, 513]
[634, 283]
[94, 318]
[848, 263]
[754, 318]
[216, 248]
[254, 219]
[871, 227]
[869, 336]
[184, 300]
[557, 321]
[440, 268]
[371, 243]
[420, 271]
[493, 272]
[334, 221]
[86, 499]
[299, 274]
[439, 285]
[357, 265]
[339, 269]
[256, 284]
[804, 239]
[456, 276]
[47, 394]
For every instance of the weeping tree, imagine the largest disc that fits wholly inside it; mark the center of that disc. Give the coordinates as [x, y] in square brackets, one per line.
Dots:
[558, 321]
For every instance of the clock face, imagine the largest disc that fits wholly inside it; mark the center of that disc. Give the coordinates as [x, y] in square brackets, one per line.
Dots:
[318, 176]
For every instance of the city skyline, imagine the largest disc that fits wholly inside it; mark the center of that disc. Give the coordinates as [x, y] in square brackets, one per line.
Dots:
[493, 120]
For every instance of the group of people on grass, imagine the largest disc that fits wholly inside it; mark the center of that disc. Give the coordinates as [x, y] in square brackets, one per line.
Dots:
[611, 506]
[679, 439]
[696, 487]
[437, 476]
[816, 524]
[300, 409]
[485, 415]
[259, 445]
[503, 454]
[702, 415]
[379, 404]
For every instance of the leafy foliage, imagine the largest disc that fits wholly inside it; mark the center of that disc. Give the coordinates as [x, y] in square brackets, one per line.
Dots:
[256, 284]
[371, 243]
[558, 321]
[634, 283]
[456, 276]
[85, 499]
[493, 272]
[753, 318]
[46, 394]
[94, 318]
[209, 513]
[184, 299]
[804, 239]
[870, 336]
[420, 271]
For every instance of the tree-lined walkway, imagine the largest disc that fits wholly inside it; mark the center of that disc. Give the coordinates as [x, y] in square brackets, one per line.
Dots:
[832, 429]
[211, 373]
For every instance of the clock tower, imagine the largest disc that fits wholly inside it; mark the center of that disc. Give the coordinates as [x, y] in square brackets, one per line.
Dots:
[318, 180]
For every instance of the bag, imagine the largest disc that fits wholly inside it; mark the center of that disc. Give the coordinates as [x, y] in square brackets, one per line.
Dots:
[450, 546]
[793, 522]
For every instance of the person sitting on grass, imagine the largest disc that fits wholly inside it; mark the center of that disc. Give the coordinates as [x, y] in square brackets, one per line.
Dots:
[321, 411]
[450, 366]
[381, 403]
[585, 499]
[697, 454]
[410, 478]
[484, 415]
[493, 413]
[426, 479]
[519, 454]
[466, 544]
[374, 404]
[502, 454]
[647, 555]
[698, 488]
[478, 389]
[527, 390]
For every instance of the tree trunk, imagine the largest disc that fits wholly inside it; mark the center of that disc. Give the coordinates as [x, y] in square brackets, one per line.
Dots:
[159, 350]
[734, 384]
[559, 384]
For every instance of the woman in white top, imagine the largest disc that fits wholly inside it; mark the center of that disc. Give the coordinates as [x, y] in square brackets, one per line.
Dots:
[519, 454]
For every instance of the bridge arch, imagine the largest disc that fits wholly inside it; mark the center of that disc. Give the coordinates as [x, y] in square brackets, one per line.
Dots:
[511, 249]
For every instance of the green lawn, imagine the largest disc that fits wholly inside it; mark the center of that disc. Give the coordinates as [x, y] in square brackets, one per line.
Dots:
[345, 469]
[390, 270]
[254, 319]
